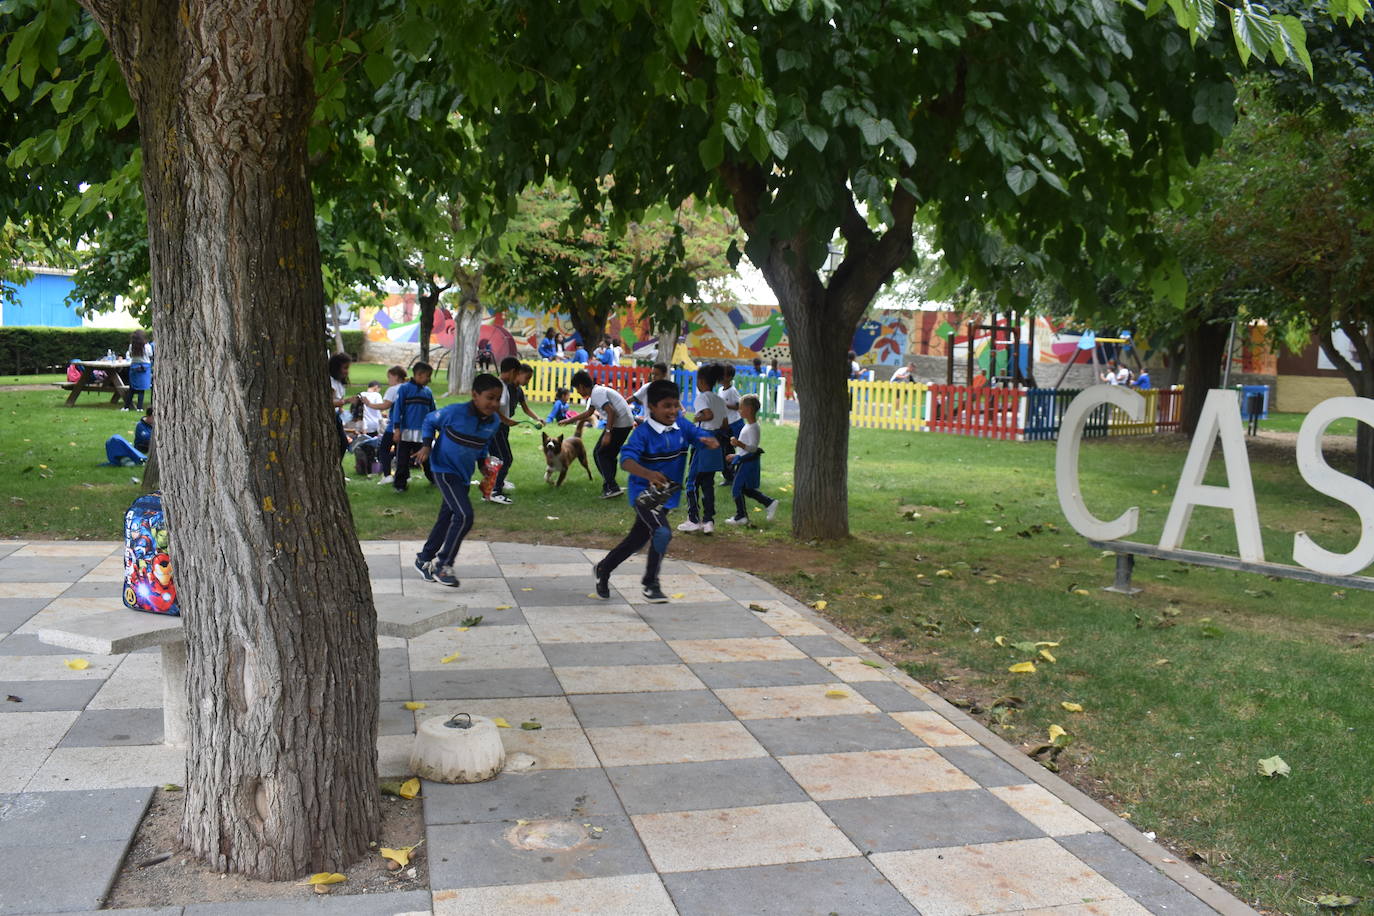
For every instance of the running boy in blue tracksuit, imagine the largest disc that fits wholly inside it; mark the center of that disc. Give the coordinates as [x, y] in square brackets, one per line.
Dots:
[454, 440]
[655, 456]
[414, 401]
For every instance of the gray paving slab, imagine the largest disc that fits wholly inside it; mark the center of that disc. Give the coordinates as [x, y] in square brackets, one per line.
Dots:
[75, 818]
[15, 612]
[505, 552]
[395, 668]
[820, 646]
[668, 707]
[742, 587]
[785, 737]
[711, 620]
[114, 632]
[928, 820]
[613, 654]
[8, 548]
[502, 852]
[983, 766]
[332, 905]
[394, 719]
[889, 697]
[490, 683]
[134, 911]
[46, 569]
[1152, 889]
[850, 886]
[115, 728]
[29, 644]
[94, 590]
[48, 696]
[570, 794]
[786, 673]
[43, 879]
[702, 786]
[387, 567]
[551, 592]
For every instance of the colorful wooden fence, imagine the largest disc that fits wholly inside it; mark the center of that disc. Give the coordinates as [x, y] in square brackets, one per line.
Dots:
[1045, 412]
[887, 405]
[983, 412]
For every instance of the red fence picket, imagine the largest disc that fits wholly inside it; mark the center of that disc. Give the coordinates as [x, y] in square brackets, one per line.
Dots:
[989, 413]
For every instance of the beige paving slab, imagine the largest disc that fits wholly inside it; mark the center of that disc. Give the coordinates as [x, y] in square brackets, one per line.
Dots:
[933, 728]
[759, 649]
[604, 612]
[550, 712]
[640, 895]
[619, 631]
[639, 745]
[570, 570]
[476, 594]
[851, 668]
[519, 655]
[551, 748]
[380, 548]
[783, 619]
[868, 774]
[135, 684]
[392, 642]
[34, 729]
[106, 572]
[1043, 809]
[54, 668]
[669, 583]
[393, 755]
[1121, 906]
[993, 877]
[33, 589]
[17, 766]
[480, 635]
[69, 549]
[627, 679]
[71, 768]
[387, 587]
[805, 700]
[62, 611]
[704, 594]
[741, 837]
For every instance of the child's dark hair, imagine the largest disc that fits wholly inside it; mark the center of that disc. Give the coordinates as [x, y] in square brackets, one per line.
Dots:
[727, 371]
[398, 371]
[337, 363]
[526, 369]
[709, 374]
[661, 390]
[510, 364]
[582, 379]
[752, 400]
[561, 394]
[421, 367]
[484, 381]
[661, 367]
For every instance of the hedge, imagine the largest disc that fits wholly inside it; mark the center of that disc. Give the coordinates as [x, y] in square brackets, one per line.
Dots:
[28, 351]
[353, 343]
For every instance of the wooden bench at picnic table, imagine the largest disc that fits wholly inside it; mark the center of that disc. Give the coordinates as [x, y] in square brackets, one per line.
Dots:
[112, 381]
[121, 631]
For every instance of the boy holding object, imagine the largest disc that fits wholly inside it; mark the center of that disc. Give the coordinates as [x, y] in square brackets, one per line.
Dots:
[453, 441]
[414, 402]
[655, 457]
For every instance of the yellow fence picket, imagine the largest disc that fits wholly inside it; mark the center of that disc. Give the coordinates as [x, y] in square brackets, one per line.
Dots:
[887, 405]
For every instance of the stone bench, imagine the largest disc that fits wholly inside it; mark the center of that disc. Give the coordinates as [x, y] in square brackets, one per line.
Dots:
[122, 631]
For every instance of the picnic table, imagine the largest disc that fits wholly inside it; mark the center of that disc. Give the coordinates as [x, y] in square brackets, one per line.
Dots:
[112, 381]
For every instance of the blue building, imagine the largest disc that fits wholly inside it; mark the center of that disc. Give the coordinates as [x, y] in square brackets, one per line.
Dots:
[42, 302]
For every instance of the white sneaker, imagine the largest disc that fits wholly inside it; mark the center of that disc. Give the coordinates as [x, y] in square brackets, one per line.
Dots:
[385, 480]
[772, 511]
[708, 527]
[689, 526]
[500, 499]
[737, 521]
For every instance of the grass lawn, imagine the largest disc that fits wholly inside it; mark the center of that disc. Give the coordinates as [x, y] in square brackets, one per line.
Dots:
[1184, 688]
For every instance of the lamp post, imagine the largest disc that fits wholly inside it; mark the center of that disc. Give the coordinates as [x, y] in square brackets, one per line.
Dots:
[834, 256]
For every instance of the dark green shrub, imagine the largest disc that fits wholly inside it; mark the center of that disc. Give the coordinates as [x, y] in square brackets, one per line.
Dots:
[26, 351]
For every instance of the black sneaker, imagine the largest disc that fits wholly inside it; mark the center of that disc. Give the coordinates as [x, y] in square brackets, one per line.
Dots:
[445, 576]
[423, 567]
[603, 586]
[612, 493]
[654, 595]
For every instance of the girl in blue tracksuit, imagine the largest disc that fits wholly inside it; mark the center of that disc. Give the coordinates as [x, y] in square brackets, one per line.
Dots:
[454, 440]
[654, 455]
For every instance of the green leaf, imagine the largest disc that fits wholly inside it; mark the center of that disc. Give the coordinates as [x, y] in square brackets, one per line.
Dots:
[777, 142]
[1274, 766]
[817, 136]
[1020, 180]
[1336, 901]
[379, 67]
[531, 726]
[711, 150]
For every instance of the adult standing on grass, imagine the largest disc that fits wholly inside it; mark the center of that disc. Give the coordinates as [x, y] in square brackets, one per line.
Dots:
[619, 423]
[140, 357]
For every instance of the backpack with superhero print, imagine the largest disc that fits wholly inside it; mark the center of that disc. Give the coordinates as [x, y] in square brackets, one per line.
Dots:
[148, 582]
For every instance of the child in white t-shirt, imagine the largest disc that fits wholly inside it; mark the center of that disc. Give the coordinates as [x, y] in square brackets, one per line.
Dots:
[747, 468]
[373, 402]
[733, 424]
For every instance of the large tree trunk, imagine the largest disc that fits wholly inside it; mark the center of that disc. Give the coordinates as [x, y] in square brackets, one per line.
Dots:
[467, 328]
[280, 626]
[1361, 379]
[1203, 346]
[428, 297]
[589, 321]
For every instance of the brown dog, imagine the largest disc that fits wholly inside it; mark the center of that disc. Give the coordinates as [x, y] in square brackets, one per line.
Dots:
[559, 455]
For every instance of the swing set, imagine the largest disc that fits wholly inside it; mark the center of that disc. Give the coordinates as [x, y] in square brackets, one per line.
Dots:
[1090, 342]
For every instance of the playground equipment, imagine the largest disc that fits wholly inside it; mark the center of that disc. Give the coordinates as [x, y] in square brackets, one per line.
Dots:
[1090, 341]
[1003, 352]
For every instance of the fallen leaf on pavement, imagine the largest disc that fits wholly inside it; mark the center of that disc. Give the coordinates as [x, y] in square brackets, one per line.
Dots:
[410, 788]
[499, 722]
[872, 664]
[836, 694]
[415, 704]
[451, 658]
[470, 621]
[77, 664]
[531, 726]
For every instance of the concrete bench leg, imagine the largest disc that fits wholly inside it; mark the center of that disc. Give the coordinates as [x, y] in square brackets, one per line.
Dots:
[175, 729]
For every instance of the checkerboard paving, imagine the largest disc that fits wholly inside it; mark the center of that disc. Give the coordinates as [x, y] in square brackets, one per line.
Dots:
[727, 752]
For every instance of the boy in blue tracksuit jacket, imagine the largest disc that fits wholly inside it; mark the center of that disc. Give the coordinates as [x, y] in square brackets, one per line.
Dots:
[655, 456]
[414, 401]
[454, 440]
